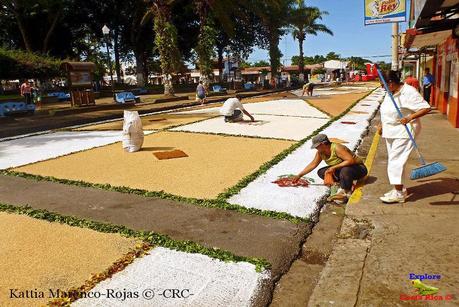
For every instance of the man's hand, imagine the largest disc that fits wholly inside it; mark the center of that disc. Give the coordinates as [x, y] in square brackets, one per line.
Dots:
[405, 120]
[330, 170]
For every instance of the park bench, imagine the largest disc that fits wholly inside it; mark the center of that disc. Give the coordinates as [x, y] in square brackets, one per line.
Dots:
[12, 108]
[62, 96]
[126, 97]
[218, 89]
[249, 86]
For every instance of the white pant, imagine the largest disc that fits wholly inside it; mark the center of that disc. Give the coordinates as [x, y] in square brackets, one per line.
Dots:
[398, 152]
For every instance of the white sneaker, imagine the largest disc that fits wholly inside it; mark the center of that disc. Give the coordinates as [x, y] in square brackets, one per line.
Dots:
[341, 197]
[393, 197]
[405, 192]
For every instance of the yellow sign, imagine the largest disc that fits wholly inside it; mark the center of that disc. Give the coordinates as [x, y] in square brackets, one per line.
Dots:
[384, 11]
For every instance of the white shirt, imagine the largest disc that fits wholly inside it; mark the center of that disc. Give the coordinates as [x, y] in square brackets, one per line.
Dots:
[409, 101]
[230, 105]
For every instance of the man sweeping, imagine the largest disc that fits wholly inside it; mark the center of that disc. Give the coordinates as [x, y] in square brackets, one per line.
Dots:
[343, 166]
[233, 110]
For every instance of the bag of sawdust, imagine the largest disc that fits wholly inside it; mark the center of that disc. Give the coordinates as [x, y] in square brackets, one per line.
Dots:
[132, 131]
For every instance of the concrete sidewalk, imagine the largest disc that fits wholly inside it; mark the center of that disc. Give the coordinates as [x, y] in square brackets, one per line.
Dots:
[380, 245]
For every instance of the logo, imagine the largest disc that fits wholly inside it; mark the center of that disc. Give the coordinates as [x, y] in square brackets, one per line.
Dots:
[383, 7]
[423, 289]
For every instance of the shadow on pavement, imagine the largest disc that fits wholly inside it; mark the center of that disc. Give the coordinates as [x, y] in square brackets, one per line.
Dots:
[434, 187]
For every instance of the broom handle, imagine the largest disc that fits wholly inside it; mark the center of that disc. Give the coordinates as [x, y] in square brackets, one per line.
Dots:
[381, 77]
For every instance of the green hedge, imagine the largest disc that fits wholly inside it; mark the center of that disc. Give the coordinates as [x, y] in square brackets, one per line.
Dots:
[16, 64]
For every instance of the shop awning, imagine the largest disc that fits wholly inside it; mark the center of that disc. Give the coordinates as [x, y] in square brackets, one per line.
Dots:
[417, 39]
[435, 15]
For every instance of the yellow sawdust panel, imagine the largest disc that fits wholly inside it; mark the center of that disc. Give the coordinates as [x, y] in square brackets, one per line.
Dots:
[214, 163]
[153, 122]
[37, 256]
[335, 104]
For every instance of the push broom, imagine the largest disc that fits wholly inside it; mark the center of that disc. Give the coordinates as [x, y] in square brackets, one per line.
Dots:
[425, 170]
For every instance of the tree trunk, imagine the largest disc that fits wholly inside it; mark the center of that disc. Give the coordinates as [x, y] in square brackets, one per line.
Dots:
[168, 86]
[274, 55]
[22, 29]
[301, 62]
[145, 67]
[220, 63]
[117, 56]
[50, 31]
[139, 69]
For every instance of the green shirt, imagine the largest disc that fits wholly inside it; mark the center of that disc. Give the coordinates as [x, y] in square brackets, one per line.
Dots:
[335, 160]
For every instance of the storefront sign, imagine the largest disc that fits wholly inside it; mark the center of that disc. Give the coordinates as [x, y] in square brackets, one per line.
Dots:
[384, 11]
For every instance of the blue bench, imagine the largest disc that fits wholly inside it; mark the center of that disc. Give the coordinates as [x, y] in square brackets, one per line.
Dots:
[249, 86]
[62, 96]
[126, 97]
[218, 88]
[11, 108]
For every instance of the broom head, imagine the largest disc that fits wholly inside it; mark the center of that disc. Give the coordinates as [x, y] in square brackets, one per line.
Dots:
[427, 170]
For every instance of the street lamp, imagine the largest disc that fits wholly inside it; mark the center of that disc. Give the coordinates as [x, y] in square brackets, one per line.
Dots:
[106, 32]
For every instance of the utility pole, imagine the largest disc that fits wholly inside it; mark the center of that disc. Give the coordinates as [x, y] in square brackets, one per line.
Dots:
[395, 46]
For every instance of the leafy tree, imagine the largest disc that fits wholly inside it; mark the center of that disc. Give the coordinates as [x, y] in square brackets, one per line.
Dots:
[36, 20]
[357, 62]
[243, 37]
[319, 71]
[274, 16]
[18, 64]
[304, 21]
[333, 56]
[165, 40]
[210, 13]
[261, 64]
[137, 39]
[308, 60]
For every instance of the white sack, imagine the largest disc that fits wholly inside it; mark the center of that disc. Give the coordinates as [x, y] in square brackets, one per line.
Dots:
[132, 131]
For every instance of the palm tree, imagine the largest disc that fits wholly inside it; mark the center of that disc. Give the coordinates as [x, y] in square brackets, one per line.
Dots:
[304, 21]
[274, 15]
[165, 40]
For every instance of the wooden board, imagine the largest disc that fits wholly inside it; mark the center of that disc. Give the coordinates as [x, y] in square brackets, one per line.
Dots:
[171, 154]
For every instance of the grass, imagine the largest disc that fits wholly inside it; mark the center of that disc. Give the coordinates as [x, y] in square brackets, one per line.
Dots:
[15, 96]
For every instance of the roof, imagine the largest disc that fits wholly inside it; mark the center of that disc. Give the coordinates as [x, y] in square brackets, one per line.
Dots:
[427, 13]
[79, 66]
[417, 39]
[306, 67]
[268, 68]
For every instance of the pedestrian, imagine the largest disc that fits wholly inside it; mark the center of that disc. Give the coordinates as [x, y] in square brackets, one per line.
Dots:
[232, 110]
[342, 164]
[398, 144]
[308, 88]
[26, 91]
[410, 80]
[201, 93]
[427, 83]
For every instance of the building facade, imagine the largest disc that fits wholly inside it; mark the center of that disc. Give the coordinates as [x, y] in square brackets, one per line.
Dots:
[432, 42]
